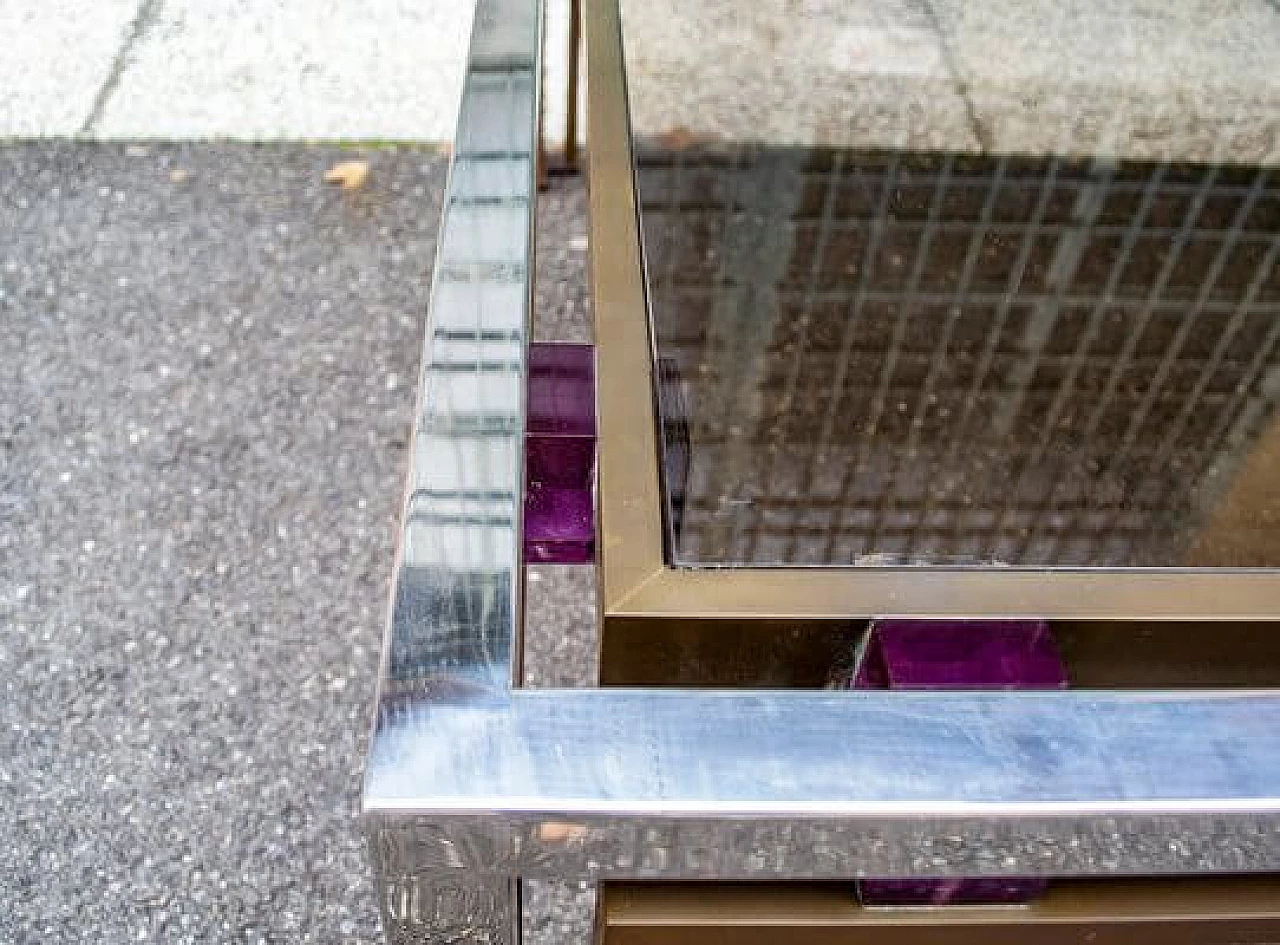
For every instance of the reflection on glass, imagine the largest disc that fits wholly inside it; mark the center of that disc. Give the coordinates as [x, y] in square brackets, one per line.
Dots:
[916, 302]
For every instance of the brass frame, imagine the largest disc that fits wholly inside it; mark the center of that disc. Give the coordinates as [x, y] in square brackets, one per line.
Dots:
[636, 580]
[1196, 911]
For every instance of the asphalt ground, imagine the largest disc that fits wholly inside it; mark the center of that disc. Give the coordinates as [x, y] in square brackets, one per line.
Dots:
[209, 359]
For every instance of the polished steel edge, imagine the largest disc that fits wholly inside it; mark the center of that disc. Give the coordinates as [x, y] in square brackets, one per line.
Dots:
[435, 849]
[731, 785]
[430, 908]
[454, 629]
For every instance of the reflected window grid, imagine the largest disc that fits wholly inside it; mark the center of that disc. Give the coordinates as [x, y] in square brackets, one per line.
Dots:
[954, 359]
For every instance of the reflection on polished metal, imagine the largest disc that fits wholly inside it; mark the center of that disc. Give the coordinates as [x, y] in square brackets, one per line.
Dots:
[678, 784]
[454, 635]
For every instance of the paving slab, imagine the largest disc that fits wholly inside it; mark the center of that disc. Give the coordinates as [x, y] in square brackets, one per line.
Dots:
[58, 55]
[859, 73]
[339, 69]
[1191, 81]
[381, 70]
[1195, 81]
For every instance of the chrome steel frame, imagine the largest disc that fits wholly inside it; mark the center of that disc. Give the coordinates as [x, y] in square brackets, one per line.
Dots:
[472, 784]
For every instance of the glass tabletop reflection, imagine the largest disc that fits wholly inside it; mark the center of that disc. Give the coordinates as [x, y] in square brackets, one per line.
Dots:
[946, 284]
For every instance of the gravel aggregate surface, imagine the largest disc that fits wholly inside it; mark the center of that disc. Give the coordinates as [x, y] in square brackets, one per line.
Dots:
[204, 412]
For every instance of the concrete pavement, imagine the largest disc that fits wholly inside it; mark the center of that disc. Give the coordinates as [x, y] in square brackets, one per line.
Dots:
[348, 70]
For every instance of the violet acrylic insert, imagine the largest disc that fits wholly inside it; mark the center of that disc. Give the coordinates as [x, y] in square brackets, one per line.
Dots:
[559, 453]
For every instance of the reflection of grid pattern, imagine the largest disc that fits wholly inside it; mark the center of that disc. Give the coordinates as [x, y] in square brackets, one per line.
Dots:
[949, 358]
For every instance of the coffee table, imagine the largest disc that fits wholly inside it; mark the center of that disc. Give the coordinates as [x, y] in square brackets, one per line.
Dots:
[880, 335]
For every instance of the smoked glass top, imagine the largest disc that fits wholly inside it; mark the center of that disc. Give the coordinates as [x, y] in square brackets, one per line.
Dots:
[963, 283]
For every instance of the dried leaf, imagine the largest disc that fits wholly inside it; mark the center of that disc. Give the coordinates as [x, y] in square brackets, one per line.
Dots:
[680, 138]
[349, 175]
[556, 832]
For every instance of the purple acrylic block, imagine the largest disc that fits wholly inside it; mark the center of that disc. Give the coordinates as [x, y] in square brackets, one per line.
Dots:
[957, 654]
[561, 521]
[559, 449]
[558, 500]
[562, 390]
[966, 891]
[960, 654]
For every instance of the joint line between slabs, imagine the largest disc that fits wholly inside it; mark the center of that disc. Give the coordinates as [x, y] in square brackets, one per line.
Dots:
[143, 19]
